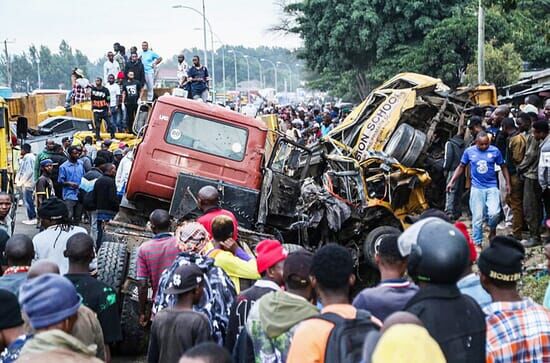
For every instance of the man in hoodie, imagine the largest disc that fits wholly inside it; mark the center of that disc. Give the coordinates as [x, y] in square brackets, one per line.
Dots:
[51, 303]
[273, 319]
[454, 148]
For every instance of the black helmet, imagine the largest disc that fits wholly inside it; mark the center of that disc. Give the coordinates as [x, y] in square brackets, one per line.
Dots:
[437, 250]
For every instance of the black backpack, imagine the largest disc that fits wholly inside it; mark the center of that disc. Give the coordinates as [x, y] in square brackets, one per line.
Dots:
[346, 339]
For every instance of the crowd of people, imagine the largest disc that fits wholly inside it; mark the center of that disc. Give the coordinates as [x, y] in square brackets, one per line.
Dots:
[128, 79]
[89, 182]
[508, 157]
[214, 300]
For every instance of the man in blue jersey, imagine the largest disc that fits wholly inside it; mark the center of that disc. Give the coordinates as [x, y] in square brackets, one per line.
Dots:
[483, 159]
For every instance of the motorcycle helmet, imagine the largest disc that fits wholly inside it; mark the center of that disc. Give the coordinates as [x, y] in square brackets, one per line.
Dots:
[437, 251]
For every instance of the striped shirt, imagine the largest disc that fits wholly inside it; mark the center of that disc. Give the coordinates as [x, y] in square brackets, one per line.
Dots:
[517, 332]
[154, 257]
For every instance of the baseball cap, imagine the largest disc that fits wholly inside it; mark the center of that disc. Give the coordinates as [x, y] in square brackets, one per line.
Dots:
[298, 267]
[185, 278]
[46, 162]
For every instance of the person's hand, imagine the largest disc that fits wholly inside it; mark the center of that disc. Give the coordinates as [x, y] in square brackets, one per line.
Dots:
[230, 245]
[73, 185]
[449, 187]
[508, 189]
[143, 319]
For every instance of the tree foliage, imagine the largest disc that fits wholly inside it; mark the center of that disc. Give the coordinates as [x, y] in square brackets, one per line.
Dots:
[502, 65]
[375, 39]
[55, 68]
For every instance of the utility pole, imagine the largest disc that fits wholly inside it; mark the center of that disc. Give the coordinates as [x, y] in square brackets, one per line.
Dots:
[8, 61]
[480, 44]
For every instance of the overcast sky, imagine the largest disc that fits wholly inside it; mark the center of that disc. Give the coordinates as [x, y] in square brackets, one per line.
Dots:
[93, 26]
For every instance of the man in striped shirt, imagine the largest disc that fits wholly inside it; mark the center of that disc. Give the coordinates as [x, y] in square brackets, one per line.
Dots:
[518, 330]
[154, 257]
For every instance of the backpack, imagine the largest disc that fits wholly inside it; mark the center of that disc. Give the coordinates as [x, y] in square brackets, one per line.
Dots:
[346, 339]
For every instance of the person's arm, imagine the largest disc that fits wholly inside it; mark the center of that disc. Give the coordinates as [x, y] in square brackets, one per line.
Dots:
[458, 172]
[108, 99]
[234, 266]
[142, 274]
[124, 92]
[447, 157]
[506, 174]
[542, 172]
[517, 146]
[157, 60]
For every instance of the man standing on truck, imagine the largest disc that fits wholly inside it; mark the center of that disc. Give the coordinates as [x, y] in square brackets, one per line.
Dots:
[199, 78]
[110, 66]
[150, 60]
[209, 203]
[135, 65]
[130, 98]
[100, 107]
[114, 103]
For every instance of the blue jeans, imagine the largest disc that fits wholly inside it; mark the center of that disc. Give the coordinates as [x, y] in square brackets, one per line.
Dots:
[28, 200]
[481, 201]
[117, 119]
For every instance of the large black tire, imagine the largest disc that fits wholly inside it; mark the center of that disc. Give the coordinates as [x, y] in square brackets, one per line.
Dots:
[132, 265]
[415, 148]
[372, 238]
[111, 264]
[400, 141]
[135, 338]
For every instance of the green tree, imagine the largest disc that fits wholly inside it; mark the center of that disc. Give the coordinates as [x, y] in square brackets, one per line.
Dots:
[502, 65]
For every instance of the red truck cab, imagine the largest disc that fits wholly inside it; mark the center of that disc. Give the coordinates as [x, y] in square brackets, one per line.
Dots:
[199, 140]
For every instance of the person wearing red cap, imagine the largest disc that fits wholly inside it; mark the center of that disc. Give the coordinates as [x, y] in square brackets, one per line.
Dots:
[270, 257]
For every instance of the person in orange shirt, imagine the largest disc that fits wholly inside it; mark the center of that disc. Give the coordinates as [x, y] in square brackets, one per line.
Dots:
[332, 278]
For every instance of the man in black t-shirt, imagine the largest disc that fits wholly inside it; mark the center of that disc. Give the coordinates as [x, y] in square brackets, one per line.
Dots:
[101, 98]
[96, 295]
[44, 186]
[130, 97]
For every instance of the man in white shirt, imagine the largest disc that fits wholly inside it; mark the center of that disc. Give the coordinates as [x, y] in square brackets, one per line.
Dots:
[24, 180]
[182, 70]
[114, 105]
[52, 241]
[110, 66]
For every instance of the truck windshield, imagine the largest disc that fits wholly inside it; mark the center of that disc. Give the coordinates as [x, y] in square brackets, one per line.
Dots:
[207, 136]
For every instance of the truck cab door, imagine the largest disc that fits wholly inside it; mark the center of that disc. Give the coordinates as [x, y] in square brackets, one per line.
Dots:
[283, 176]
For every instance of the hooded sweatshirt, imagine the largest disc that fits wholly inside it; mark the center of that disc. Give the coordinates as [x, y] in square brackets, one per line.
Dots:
[454, 148]
[272, 322]
[56, 345]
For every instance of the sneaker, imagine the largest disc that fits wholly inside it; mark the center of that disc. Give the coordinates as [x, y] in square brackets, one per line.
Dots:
[30, 222]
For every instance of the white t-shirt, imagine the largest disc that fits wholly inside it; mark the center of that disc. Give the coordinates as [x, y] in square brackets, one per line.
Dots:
[51, 243]
[110, 68]
[114, 92]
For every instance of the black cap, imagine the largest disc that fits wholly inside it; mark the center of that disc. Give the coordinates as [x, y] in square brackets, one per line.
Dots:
[298, 267]
[185, 278]
[10, 312]
[53, 209]
[502, 260]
